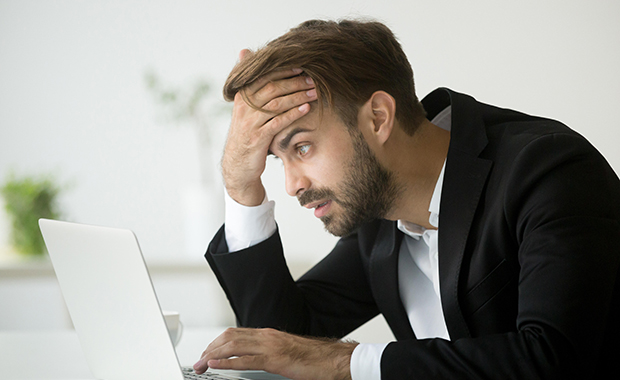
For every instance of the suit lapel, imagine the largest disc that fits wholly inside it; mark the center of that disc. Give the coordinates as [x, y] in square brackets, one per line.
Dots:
[384, 278]
[464, 179]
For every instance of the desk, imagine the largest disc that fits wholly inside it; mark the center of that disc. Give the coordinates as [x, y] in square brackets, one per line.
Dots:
[58, 355]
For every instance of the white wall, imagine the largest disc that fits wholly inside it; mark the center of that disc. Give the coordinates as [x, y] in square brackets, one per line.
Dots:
[73, 100]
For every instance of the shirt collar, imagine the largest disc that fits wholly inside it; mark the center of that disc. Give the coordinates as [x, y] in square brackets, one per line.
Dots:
[433, 207]
[415, 230]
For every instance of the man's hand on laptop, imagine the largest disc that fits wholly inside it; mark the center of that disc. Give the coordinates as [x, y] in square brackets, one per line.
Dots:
[292, 356]
[285, 95]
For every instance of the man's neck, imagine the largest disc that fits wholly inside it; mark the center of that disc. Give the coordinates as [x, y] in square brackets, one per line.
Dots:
[417, 161]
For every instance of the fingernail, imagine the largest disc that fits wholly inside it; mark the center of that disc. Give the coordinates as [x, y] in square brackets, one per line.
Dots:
[304, 107]
[309, 80]
[297, 71]
[311, 93]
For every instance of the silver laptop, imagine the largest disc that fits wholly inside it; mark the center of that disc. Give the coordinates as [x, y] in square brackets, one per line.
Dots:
[113, 306]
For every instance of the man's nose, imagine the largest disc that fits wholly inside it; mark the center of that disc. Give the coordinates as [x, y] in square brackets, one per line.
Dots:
[296, 181]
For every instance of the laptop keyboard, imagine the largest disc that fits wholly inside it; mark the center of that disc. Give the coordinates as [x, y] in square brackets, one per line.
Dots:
[189, 374]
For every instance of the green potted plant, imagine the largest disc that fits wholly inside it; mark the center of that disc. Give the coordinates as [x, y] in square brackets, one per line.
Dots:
[26, 200]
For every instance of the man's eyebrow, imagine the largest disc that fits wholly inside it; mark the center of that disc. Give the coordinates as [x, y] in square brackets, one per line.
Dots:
[283, 144]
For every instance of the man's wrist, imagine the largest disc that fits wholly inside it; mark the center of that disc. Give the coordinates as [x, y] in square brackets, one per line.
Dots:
[250, 196]
[333, 355]
[343, 366]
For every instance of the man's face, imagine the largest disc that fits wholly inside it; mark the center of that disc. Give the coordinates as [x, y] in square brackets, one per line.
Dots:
[333, 171]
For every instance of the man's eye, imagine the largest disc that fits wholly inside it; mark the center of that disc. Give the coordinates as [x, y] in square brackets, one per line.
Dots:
[303, 149]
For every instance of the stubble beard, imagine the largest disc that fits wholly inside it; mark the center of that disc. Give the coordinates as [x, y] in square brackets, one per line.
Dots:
[367, 192]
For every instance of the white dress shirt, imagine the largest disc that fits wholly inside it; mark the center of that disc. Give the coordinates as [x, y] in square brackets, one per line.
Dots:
[418, 266]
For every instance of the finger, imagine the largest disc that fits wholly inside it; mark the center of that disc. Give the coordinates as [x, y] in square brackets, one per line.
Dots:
[265, 123]
[201, 366]
[243, 53]
[248, 362]
[284, 103]
[274, 76]
[216, 353]
[281, 88]
[237, 347]
[283, 121]
[241, 345]
[228, 335]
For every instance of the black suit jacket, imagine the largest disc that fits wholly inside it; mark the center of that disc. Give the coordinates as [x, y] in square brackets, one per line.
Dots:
[529, 256]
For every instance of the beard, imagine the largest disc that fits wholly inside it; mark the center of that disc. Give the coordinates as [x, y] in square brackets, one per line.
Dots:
[367, 192]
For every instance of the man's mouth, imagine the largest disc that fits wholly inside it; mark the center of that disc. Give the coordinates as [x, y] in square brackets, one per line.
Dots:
[321, 205]
[321, 209]
[321, 200]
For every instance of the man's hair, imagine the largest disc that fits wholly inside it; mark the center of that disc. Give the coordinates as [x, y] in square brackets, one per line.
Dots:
[348, 61]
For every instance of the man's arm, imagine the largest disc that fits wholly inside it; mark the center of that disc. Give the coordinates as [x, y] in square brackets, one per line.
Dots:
[331, 300]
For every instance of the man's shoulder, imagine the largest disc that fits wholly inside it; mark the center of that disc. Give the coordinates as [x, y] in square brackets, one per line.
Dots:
[468, 111]
[526, 129]
[506, 127]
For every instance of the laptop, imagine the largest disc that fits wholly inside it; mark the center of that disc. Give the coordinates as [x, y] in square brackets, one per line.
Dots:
[113, 306]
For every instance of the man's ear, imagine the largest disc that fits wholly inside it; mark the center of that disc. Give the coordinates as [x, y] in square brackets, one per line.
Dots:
[379, 116]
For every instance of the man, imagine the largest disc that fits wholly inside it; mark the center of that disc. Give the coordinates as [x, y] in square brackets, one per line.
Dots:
[489, 239]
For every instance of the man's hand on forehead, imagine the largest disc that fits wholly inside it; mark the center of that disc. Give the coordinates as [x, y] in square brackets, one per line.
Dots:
[276, 100]
[280, 91]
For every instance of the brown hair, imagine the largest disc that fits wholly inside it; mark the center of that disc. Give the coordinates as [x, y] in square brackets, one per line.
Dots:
[348, 61]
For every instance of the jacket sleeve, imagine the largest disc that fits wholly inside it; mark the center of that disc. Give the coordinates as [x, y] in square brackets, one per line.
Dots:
[561, 200]
[331, 300]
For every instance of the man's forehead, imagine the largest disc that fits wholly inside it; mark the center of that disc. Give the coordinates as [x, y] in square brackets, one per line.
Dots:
[309, 123]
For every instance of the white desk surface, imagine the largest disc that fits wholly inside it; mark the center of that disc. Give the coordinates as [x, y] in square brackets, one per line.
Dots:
[57, 354]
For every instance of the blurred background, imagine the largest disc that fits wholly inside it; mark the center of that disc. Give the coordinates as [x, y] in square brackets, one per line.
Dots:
[115, 108]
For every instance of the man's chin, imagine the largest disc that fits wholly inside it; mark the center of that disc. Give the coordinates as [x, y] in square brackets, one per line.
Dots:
[338, 228]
